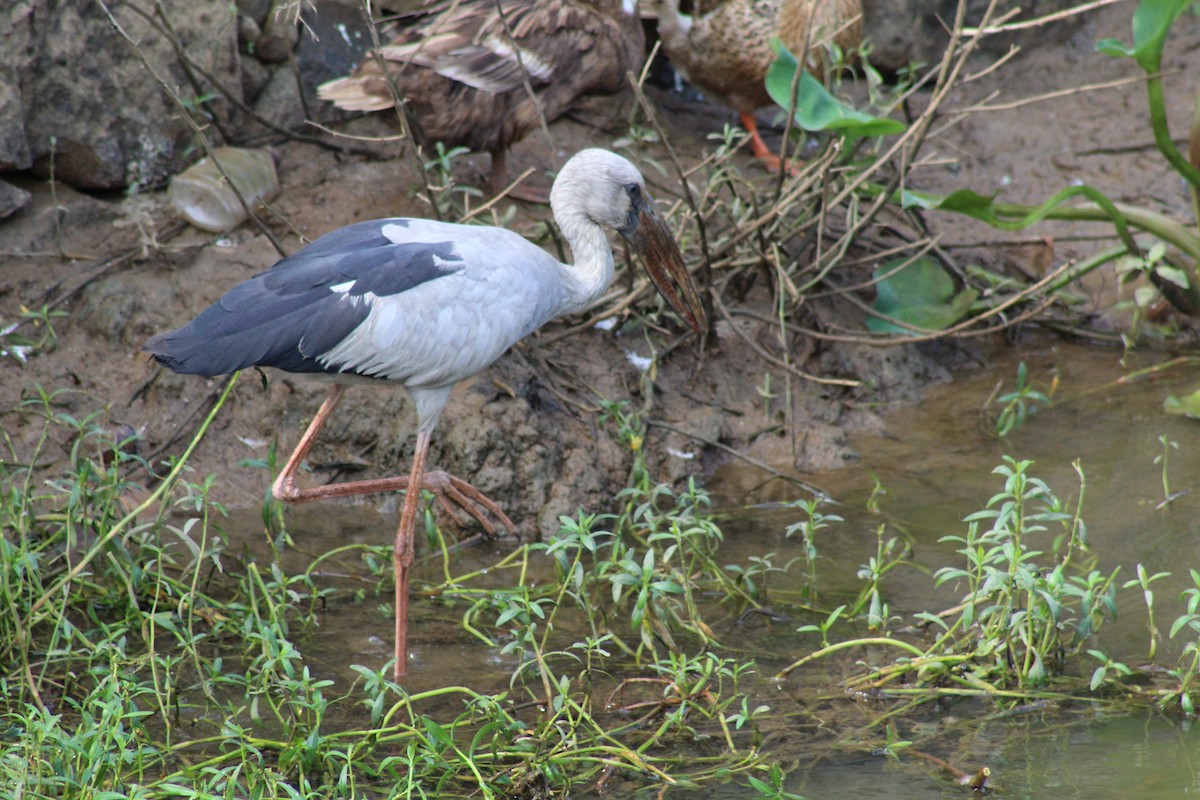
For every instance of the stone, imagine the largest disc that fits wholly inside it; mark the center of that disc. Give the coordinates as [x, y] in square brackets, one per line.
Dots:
[280, 32]
[333, 41]
[101, 121]
[904, 32]
[12, 199]
[16, 54]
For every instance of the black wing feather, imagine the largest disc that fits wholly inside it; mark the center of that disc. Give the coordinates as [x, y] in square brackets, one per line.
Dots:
[289, 315]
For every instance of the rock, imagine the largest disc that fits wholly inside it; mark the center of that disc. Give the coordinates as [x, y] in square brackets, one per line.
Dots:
[254, 9]
[15, 56]
[903, 32]
[280, 101]
[334, 40]
[108, 307]
[101, 121]
[57, 218]
[280, 33]
[248, 33]
[12, 199]
[14, 149]
[255, 77]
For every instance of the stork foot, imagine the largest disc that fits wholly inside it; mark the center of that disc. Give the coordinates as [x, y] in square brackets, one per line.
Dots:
[451, 492]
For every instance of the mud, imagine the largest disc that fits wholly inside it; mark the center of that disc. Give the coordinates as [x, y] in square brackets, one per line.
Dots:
[526, 431]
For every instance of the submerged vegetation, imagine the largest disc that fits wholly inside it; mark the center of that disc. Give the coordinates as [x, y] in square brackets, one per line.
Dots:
[145, 652]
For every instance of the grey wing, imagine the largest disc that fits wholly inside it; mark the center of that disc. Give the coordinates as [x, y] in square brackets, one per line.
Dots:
[442, 331]
[294, 313]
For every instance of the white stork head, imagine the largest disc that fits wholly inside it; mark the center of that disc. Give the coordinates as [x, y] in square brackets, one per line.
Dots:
[607, 190]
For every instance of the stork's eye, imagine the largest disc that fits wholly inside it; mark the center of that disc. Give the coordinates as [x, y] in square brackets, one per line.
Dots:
[633, 190]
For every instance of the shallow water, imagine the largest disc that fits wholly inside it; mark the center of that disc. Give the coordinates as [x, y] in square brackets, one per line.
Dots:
[935, 466]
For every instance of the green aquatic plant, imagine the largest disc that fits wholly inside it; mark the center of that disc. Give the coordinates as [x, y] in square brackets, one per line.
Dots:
[772, 787]
[1017, 405]
[754, 576]
[1032, 601]
[808, 527]
[631, 432]
[815, 108]
[167, 667]
[1142, 582]
[1162, 460]
[890, 553]
[274, 521]
[1187, 666]
[663, 557]
[1022, 612]
[917, 296]
[824, 626]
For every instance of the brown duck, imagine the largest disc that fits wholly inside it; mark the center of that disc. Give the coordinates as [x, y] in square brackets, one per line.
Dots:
[725, 51]
[464, 70]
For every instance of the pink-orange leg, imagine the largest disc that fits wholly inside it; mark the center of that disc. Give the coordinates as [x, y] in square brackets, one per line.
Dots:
[446, 489]
[765, 154]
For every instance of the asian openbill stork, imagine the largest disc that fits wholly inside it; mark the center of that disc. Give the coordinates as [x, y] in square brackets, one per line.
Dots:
[426, 304]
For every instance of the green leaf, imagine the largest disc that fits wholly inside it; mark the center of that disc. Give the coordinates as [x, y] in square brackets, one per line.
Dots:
[922, 294]
[437, 733]
[1152, 22]
[1186, 406]
[1012, 217]
[814, 107]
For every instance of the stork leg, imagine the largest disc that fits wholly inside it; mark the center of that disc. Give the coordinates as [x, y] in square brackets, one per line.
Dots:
[448, 490]
[285, 487]
[402, 555]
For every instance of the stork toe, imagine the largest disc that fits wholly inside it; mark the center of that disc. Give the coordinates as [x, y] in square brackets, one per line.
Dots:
[451, 491]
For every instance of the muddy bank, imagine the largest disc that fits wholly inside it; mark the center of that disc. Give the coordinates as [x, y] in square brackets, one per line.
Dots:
[527, 431]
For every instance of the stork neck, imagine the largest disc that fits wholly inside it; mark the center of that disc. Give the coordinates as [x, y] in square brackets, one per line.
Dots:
[592, 270]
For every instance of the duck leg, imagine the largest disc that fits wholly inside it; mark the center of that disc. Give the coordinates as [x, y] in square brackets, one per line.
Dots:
[449, 491]
[522, 191]
[765, 154]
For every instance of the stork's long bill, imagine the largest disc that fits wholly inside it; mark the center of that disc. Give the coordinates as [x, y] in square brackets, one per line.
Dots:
[653, 240]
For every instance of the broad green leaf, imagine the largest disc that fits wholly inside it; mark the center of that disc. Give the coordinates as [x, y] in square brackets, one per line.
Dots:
[1177, 286]
[1186, 406]
[815, 109]
[921, 294]
[1152, 22]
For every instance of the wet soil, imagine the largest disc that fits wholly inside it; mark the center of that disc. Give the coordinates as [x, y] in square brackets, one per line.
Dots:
[526, 431]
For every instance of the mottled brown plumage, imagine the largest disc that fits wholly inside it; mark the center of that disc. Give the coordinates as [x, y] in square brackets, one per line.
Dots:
[465, 81]
[724, 49]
